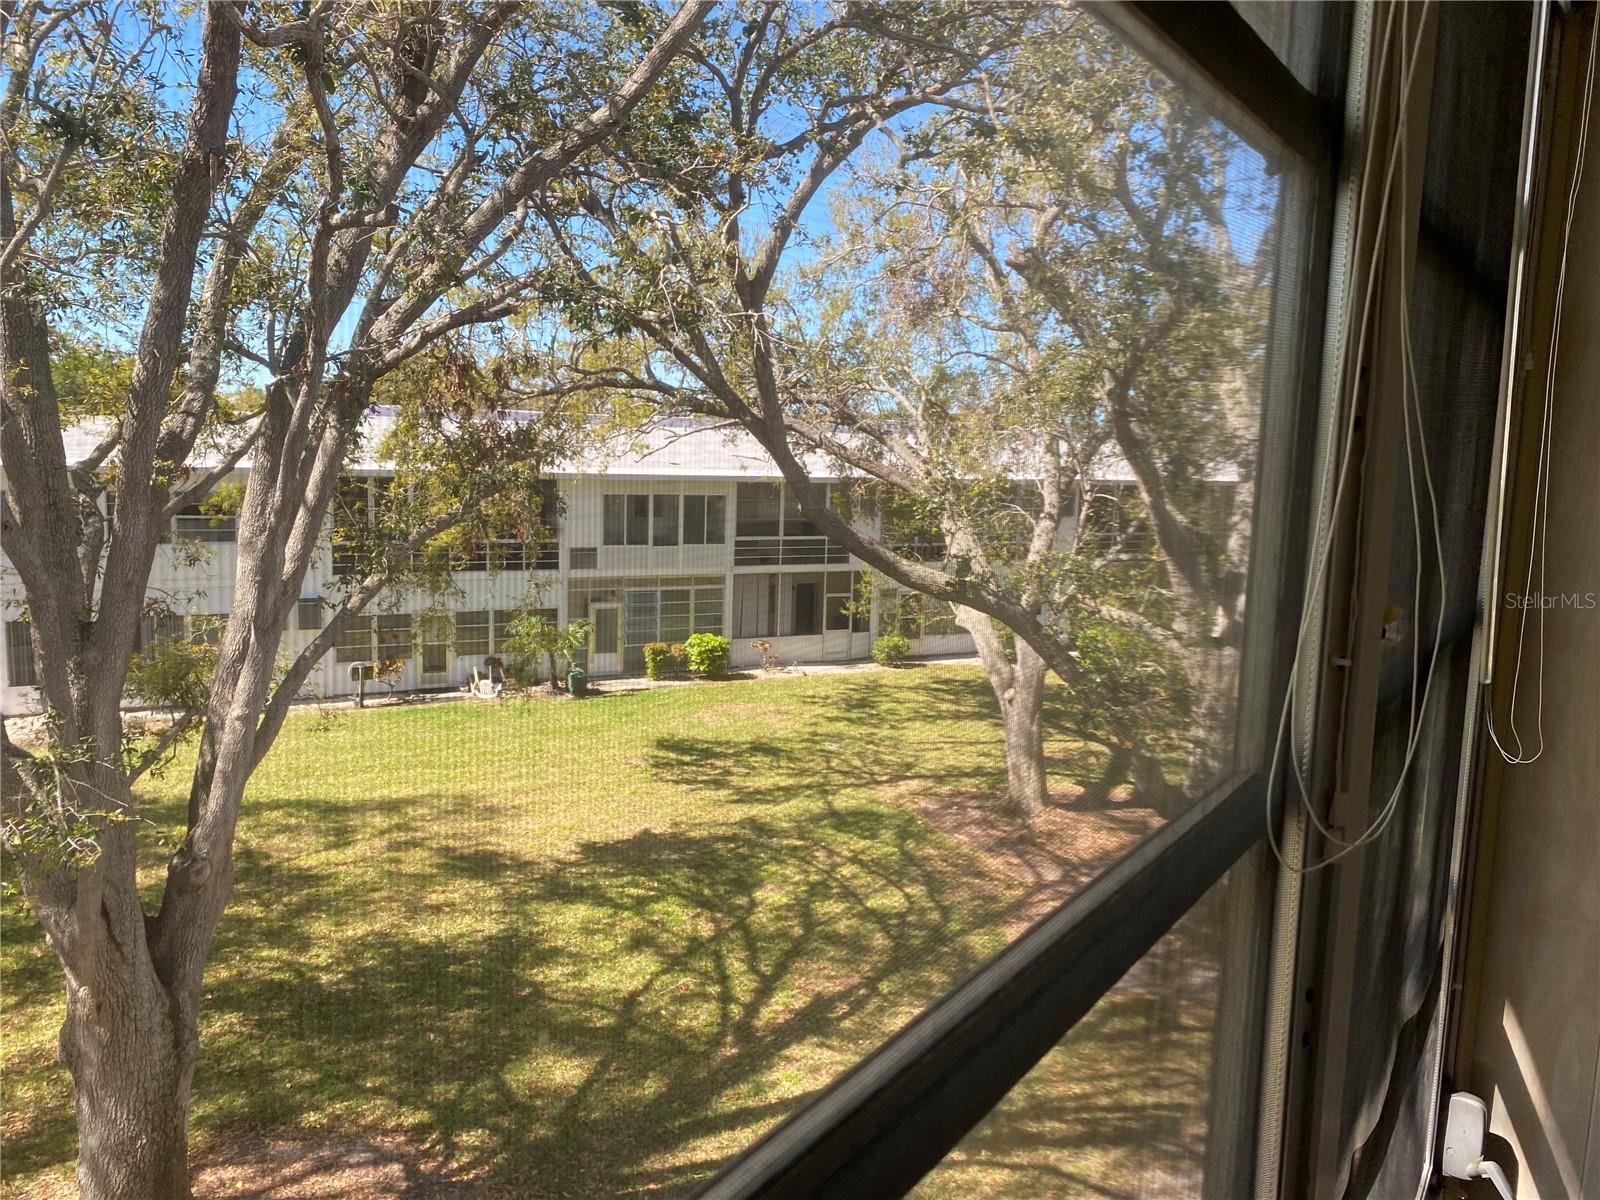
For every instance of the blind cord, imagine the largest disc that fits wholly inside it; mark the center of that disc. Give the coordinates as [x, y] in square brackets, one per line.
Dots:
[1541, 488]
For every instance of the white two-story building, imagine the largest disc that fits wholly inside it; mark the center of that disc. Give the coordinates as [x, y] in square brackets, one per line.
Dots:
[690, 529]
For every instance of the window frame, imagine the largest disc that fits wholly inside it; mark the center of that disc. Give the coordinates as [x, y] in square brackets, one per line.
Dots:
[474, 642]
[356, 627]
[391, 623]
[705, 529]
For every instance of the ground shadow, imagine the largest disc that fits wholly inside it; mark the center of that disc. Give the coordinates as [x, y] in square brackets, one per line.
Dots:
[622, 1018]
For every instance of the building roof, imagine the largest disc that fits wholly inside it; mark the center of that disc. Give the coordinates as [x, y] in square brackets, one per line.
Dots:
[678, 447]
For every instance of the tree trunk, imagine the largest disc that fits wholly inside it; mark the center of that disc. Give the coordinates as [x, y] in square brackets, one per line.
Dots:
[1119, 762]
[1026, 785]
[130, 1046]
[1153, 787]
[1019, 687]
[1214, 673]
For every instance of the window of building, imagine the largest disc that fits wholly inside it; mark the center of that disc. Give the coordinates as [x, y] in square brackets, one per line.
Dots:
[309, 614]
[770, 530]
[840, 605]
[194, 524]
[708, 605]
[19, 655]
[626, 520]
[939, 619]
[472, 631]
[654, 608]
[206, 628]
[758, 507]
[354, 643]
[705, 520]
[583, 558]
[664, 521]
[158, 627]
[795, 524]
[677, 614]
[754, 604]
[549, 509]
[394, 636]
[503, 617]
[352, 515]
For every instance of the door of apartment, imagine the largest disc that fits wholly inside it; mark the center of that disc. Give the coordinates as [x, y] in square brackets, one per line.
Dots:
[605, 639]
[435, 664]
[806, 617]
[837, 617]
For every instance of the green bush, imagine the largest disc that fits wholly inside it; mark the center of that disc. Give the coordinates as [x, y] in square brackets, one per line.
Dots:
[890, 649]
[708, 653]
[657, 660]
[532, 636]
[521, 670]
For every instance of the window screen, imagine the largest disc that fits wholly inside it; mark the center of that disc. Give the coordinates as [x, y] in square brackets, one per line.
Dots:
[1125, 1103]
[595, 939]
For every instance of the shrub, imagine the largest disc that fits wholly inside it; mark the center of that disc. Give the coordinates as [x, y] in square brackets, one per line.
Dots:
[389, 671]
[532, 636]
[708, 653]
[770, 659]
[680, 655]
[522, 670]
[657, 660]
[890, 649]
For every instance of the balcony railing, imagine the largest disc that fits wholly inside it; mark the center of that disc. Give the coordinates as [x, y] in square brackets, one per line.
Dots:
[787, 552]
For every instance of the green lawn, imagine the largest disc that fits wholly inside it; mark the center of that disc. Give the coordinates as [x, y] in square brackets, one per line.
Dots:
[592, 949]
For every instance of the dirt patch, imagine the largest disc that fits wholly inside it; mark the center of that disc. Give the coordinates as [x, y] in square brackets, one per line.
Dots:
[1053, 855]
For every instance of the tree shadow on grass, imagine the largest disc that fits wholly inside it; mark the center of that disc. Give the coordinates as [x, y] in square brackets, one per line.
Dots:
[937, 736]
[621, 1020]
[618, 1023]
[1119, 1107]
[1116, 1110]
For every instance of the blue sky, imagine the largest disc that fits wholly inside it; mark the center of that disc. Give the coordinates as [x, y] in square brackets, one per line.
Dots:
[1247, 177]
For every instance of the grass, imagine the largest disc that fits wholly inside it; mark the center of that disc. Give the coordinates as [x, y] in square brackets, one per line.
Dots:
[594, 949]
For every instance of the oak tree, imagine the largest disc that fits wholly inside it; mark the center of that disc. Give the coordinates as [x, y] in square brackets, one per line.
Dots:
[307, 197]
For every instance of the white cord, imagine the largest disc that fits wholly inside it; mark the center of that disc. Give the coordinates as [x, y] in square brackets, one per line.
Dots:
[1324, 547]
[1541, 486]
[1415, 449]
